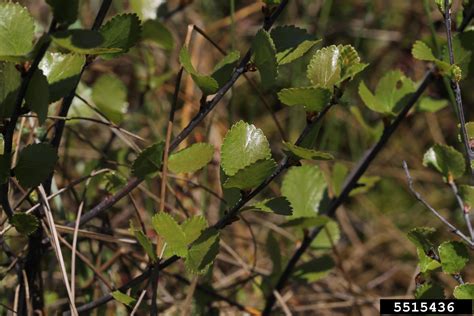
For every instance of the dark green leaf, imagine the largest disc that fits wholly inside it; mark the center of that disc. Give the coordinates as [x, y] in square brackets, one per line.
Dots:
[243, 145]
[305, 153]
[25, 224]
[446, 160]
[10, 80]
[121, 32]
[81, 41]
[304, 187]
[65, 12]
[307, 222]
[291, 43]
[202, 252]
[144, 241]
[207, 84]
[251, 176]
[17, 29]
[314, 269]
[429, 291]
[37, 95]
[149, 160]
[453, 256]
[314, 99]
[223, 70]
[279, 205]
[264, 54]
[5, 163]
[463, 48]
[422, 238]
[191, 159]
[157, 32]
[35, 163]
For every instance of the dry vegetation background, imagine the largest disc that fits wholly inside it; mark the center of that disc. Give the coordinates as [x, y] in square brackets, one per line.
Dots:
[374, 258]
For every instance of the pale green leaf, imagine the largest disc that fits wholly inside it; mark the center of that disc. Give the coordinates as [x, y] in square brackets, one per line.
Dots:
[173, 234]
[10, 80]
[193, 227]
[37, 95]
[428, 104]
[314, 99]
[25, 224]
[149, 160]
[264, 54]
[426, 263]
[446, 160]
[157, 32]
[324, 69]
[467, 195]
[35, 163]
[421, 51]
[338, 176]
[16, 30]
[243, 145]
[109, 94]
[202, 252]
[306, 153]
[314, 270]
[207, 84]
[123, 298]
[191, 159]
[328, 237]
[251, 176]
[464, 291]
[291, 43]
[364, 185]
[453, 256]
[350, 62]
[304, 188]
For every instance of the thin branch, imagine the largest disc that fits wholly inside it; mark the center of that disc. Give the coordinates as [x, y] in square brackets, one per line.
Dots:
[464, 208]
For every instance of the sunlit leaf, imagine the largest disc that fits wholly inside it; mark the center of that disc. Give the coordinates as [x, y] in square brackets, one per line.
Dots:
[446, 160]
[193, 227]
[324, 69]
[328, 237]
[191, 159]
[312, 98]
[123, 298]
[453, 255]
[251, 176]
[431, 105]
[464, 291]
[306, 153]
[173, 234]
[421, 51]
[109, 93]
[16, 30]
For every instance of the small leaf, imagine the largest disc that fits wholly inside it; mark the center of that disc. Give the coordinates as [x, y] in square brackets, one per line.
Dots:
[203, 251]
[121, 32]
[314, 99]
[446, 160]
[324, 69]
[251, 176]
[191, 159]
[464, 291]
[291, 43]
[429, 291]
[62, 72]
[279, 205]
[467, 195]
[463, 48]
[24, 223]
[422, 238]
[264, 53]
[453, 256]
[315, 269]
[123, 298]
[243, 145]
[339, 173]
[272, 2]
[10, 80]
[17, 29]
[307, 222]
[37, 95]
[144, 241]
[305, 153]
[207, 84]
[350, 63]
[5, 163]
[328, 237]
[81, 41]
[224, 68]
[36, 162]
[157, 32]
[364, 185]
[421, 51]
[431, 105]
[426, 263]
[109, 93]
[64, 12]
[172, 233]
[193, 227]
[149, 160]
[304, 187]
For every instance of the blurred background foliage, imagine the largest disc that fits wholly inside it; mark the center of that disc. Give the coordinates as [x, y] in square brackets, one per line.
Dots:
[373, 257]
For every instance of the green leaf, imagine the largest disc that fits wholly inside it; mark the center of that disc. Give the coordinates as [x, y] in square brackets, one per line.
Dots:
[224, 68]
[307, 222]
[144, 241]
[426, 263]
[65, 12]
[157, 32]
[251, 176]
[272, 2]
[279, 205]
[431, 105]
[17, 29]
[25, 224]
[324, 69]
[429, 291]
[467, 194]
[364, 185]
[350, 62]
[193, 227]
[37, 95]
[464, 291]
[35, 163]
[422, 238]
[191, 159]
[109, 93]
[10, 80]
[453, 256]
[313, 99]
[264, 54]
[304, 187]
[123, 298]
[421, 51]
[149, 160]
[339, 173]
[390, 93]
[328, 237]
[81, 41]
[306, 153]
[243, 145]
[463, 48]
[5, 163]
[62, 72]
[207, 84]
[202, 252]
[172, 233]
[291, 43]
[446, 160]
[121, 32]
[314, 270]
